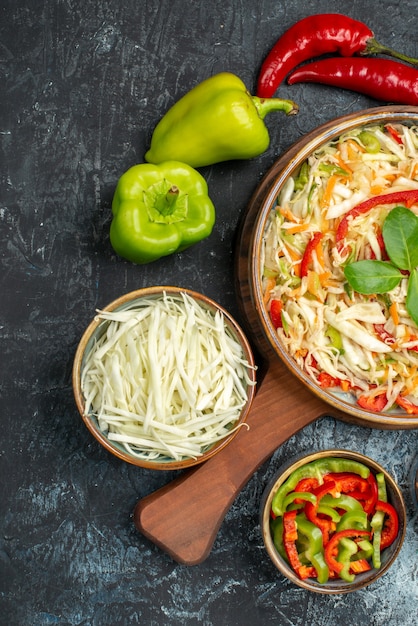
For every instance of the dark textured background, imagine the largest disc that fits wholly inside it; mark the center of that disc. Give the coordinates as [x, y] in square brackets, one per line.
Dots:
[83, 84]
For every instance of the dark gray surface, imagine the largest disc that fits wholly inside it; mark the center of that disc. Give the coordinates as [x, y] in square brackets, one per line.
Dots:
[83, 85]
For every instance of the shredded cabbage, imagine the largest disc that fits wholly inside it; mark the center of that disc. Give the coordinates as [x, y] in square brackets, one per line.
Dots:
[366, 345]
[166, 378]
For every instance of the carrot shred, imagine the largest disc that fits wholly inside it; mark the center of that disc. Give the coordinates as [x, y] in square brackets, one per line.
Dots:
[287, 213]
[298, 228]
[393, 310]
[329, 188]
[270, 285]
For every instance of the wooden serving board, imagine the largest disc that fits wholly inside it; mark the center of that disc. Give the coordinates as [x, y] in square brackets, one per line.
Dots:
[184, 516]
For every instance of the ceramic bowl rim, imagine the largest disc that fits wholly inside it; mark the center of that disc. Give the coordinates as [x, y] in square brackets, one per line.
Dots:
[86, 338]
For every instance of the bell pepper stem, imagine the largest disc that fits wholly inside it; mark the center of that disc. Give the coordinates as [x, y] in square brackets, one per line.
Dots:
[267, 105]
[165, 203]
[374, 47]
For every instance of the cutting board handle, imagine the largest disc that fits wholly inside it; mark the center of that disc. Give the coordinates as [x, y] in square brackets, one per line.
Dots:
[184, 516]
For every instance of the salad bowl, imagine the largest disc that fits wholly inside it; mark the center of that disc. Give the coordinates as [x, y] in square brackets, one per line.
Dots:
[267, 266]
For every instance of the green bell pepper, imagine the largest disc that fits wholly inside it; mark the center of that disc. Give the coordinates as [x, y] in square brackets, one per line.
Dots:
[218, 120]
[158, 210]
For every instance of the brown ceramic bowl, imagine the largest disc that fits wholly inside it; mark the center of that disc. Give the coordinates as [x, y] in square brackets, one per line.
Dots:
[260, 207]
[333, 586]
[96, 329]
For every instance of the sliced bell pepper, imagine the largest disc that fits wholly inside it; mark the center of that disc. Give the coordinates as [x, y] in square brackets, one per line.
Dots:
[408, 197]
[376, 524]
[353, 519]
[390, 528]
[308, 254]
[382, 494]
[357, 566]
[307, 484]
[159, 210]
[314, 552]
[374, 403]
[276, 307]
[331, 549]
[410, 407]
[290, 535]
[311, 509]
[342, 502]
[316, 469]
[365, 550]
[346, 549]
[298, 497]
[218, 120]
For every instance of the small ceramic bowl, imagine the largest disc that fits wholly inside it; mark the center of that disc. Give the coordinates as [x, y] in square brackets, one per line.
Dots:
[96, 330]
[333, 586]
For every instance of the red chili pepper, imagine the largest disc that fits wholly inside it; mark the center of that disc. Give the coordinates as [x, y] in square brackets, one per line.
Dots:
[331, 549]
[408, 198]
[315, 36]
[307, 255]
[381, 79]
[276, 307]
[373, 403]
[410, 407]
[390, 524]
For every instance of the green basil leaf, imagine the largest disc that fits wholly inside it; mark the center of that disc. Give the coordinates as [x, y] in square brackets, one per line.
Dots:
[372, 276]
[412, 296]
[400, 234]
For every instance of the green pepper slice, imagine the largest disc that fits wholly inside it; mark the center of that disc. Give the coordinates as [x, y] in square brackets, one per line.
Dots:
[316, 469]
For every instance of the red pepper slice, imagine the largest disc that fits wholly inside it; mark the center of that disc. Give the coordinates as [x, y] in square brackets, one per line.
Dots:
[410, 407]
[408, 197]
[290, 535]
[276, 307]
[394, 134]
[363, 489]
[307, 484]
[307, 256]
[361, 565]
[369, 504]
[311, 510]
[390, 524]
[373, 403]
[331, 549]
[347, 482]
[326, 380]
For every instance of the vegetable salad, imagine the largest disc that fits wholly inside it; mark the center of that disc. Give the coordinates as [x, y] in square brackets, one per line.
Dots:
[340, 287]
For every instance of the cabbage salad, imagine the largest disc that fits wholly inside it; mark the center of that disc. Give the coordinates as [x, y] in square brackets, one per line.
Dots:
[340, 257]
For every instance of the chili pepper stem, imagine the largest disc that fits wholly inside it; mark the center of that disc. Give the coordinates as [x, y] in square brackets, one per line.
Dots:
[374, 47]
[266, 105]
